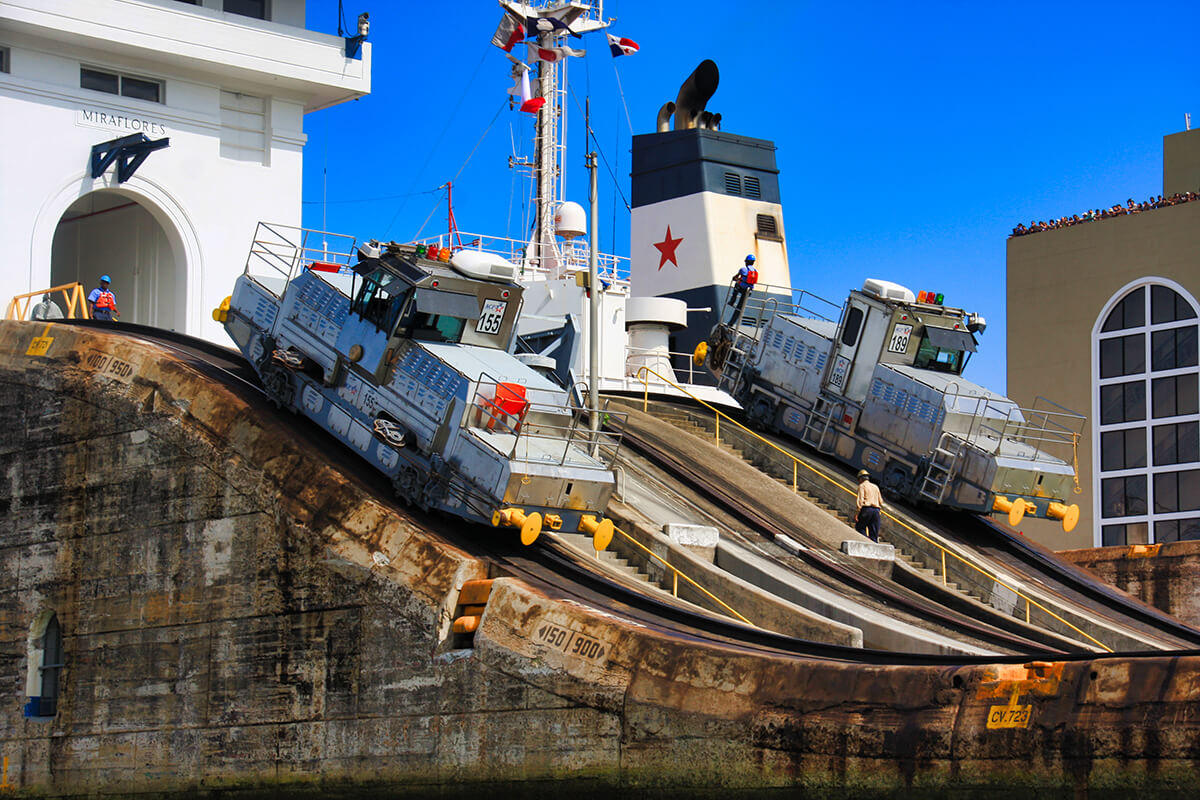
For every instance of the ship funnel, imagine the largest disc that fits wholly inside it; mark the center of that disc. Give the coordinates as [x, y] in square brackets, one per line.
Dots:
[693, 94]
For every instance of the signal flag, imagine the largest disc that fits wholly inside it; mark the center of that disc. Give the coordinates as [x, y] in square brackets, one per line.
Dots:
[621, 46]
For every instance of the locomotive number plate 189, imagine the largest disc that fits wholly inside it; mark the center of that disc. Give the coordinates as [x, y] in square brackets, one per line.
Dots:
[899, 340]
[491, 316]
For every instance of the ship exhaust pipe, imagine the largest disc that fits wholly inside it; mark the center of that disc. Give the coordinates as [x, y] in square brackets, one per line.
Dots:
[689, 104]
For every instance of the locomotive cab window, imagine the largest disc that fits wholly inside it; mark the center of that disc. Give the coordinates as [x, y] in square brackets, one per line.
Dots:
[442, 316]
[437, 328]
[944, 350]
[853, 325]
[380, 299]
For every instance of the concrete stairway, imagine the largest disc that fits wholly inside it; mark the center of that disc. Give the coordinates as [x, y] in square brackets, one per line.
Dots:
[607, 559]
[684, 421]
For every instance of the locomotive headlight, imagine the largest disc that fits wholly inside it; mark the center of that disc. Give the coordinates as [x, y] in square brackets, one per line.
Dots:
[976, 323]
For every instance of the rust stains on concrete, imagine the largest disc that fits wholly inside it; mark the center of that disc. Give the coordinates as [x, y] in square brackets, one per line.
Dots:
[239, 615]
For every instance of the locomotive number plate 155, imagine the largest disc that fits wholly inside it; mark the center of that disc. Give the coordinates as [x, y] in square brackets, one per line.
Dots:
[491, 316]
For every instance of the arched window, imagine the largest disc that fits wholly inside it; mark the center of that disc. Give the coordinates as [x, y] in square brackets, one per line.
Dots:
[52, 664]
[45, 666]
[1147, 416]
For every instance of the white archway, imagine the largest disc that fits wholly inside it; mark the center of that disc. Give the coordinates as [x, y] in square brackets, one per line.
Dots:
[176, 227]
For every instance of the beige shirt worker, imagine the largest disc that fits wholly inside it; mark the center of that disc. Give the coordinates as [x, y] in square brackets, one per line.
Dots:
[868, 495]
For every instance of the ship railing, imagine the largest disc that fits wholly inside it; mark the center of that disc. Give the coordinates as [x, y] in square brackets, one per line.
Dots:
[279, 252]
[74, 302]
[662, 360]
[538, 260]
[533, 431]
[818, 481]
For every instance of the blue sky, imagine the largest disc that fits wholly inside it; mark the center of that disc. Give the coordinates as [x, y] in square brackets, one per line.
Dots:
[911, 137]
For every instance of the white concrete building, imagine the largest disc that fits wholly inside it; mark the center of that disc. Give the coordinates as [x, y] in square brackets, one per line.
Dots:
[225, 82]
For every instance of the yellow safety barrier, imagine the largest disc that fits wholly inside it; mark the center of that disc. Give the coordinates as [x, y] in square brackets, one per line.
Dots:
[642, 375]
[74, 302]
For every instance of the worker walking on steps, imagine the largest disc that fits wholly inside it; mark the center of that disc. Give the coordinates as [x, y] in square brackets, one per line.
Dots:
[869, 505]
[102, 303]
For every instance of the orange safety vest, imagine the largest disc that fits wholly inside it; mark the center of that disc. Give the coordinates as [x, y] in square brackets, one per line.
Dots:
[751, 276]
[106, 299]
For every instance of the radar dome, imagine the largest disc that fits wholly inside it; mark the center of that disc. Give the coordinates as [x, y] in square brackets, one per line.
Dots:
[569, 220]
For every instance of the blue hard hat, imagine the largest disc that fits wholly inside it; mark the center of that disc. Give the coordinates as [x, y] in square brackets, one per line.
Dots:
[750, 259]
[105, 279]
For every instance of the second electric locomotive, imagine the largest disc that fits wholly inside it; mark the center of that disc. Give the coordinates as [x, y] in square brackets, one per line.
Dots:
[882, 389]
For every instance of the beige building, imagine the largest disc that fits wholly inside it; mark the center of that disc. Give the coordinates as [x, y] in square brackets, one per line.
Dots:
[1102, 317]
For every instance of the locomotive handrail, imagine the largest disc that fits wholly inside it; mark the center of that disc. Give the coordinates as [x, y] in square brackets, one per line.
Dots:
[795, 300]
[494, 417]
[1030, 603]
[1024, 429]
[283, 248]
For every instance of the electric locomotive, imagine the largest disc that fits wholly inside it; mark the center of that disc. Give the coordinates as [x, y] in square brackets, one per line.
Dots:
[882, 389]
[403, 354]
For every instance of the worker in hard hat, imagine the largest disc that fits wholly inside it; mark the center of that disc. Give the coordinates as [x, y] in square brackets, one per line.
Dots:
[743, 284]
[102, 303]
[870, 503]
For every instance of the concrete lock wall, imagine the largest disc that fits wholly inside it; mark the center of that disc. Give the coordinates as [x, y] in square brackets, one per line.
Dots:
[1164, 576]
[237, 614]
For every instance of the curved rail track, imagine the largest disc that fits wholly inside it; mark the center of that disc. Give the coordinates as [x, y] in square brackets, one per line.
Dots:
[559, 571]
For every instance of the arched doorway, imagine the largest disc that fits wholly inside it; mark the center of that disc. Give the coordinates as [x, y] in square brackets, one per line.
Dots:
[108, 232]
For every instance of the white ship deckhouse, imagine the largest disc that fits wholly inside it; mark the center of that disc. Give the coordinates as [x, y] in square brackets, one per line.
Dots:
[145, 139]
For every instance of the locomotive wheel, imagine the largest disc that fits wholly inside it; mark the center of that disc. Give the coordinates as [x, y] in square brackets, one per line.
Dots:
[718, 351]
[277, 381]
[761, 413]
[897, 481]
[408, 484]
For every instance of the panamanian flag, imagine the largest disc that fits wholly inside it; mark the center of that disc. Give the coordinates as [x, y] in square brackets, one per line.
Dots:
[621, 46]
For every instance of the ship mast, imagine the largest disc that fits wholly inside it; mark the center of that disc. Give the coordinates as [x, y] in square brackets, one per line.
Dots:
[550, 164]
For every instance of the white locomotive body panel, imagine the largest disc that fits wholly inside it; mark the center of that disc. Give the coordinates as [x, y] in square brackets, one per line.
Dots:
[881, 389]
[405, 360]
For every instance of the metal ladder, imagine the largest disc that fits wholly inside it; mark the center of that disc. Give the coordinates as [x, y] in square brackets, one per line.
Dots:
[816, 426]
[942, 466]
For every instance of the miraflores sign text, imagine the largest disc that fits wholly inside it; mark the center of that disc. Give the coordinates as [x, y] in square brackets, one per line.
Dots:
[119, 122]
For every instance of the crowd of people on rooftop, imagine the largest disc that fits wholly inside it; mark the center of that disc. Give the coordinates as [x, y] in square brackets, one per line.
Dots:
[1118, 210]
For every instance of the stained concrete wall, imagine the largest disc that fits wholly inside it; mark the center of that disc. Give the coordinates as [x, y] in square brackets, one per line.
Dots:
[239, 615]
[1165, 576]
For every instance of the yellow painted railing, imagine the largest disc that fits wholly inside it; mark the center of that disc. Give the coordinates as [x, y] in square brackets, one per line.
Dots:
[74, 302]
[1030, 603]
[676, 574]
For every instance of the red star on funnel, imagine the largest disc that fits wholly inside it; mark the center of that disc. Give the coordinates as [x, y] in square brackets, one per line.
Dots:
[667, 248]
